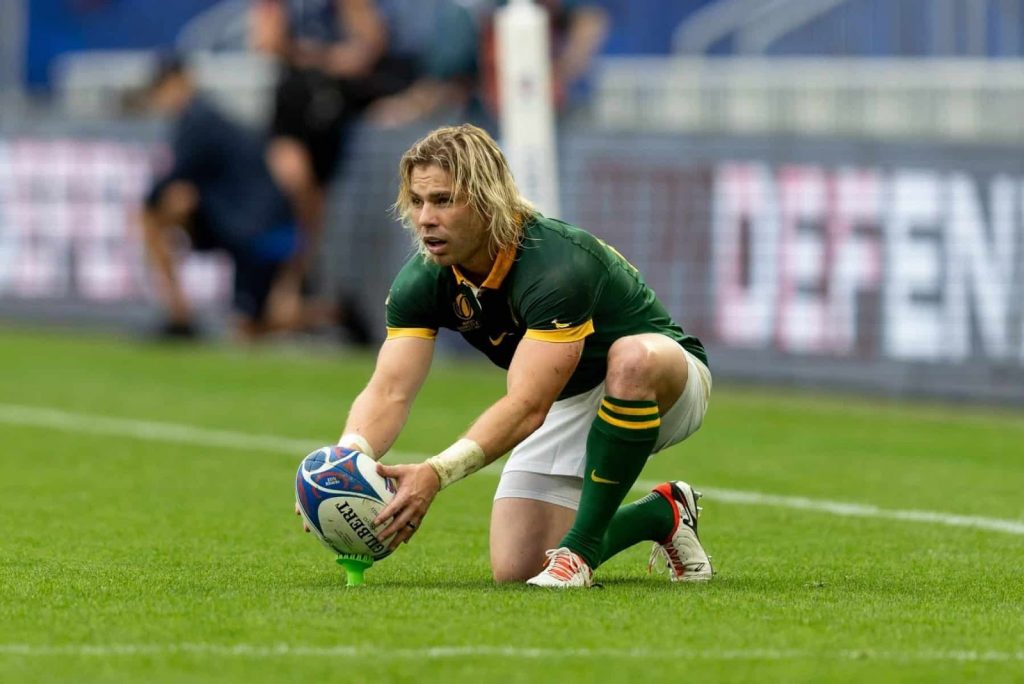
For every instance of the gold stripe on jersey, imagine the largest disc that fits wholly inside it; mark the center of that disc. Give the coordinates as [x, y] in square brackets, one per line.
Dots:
[502, 265]
[629, 425]
[573, 334]
[422, 333]
[629, 411]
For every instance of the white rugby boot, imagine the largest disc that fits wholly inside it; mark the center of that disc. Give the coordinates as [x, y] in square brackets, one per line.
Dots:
[682, 552]
[564, 569]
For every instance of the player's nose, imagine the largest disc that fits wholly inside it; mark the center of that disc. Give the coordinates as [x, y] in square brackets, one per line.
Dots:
[427, 216]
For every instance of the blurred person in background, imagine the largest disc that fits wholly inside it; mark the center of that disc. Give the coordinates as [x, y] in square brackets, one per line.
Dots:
[220, 191]
[452, 43]
[578, 29]
[334, 62]
[441, 39]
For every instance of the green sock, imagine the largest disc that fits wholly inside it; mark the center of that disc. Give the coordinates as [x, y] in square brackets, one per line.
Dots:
[620, 440]
[649, 519]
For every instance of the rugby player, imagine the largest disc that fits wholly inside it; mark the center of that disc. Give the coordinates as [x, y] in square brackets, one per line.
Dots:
[599, 375]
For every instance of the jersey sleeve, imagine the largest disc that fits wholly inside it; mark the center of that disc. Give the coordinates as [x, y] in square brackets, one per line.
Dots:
[412, 302]
[558, 304]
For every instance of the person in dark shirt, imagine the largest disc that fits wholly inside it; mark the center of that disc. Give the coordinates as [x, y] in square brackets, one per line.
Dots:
[334, 62]
[221, 192]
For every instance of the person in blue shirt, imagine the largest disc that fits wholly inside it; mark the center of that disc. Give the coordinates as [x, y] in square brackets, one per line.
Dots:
[221, 192]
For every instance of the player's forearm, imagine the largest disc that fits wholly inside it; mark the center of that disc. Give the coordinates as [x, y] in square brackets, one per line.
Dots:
[378, 417]
[505, 424]
[509, 421]
[380, 411]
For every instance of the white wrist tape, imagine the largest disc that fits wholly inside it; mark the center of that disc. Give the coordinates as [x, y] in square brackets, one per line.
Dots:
[354, 439]
[463, 458]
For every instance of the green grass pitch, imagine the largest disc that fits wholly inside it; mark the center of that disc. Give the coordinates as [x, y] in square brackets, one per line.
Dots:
[142, 539]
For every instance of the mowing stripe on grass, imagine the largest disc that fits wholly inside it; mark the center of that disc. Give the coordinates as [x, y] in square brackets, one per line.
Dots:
[257, 651]
[14, 414]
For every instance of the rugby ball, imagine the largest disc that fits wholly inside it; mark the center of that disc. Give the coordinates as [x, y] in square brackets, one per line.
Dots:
[339, 494]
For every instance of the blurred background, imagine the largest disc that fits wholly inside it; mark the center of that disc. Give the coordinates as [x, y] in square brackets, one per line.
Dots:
[829, 193]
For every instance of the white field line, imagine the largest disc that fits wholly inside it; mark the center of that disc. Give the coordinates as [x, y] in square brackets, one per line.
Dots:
[152, 431]
[257, 651]
[855, 510]
[13, 414]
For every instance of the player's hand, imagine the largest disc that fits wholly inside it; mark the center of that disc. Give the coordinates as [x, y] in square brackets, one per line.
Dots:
[417, 486]
[305, 525]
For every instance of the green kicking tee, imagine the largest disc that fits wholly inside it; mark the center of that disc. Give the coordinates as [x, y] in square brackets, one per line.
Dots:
[561, 284]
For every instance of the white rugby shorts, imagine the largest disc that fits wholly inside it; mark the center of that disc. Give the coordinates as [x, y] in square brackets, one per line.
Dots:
[548, 465]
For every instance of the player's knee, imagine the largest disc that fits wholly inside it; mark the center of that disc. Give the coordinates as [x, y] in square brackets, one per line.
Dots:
[508, 565]
[631, 369]
[508, 573]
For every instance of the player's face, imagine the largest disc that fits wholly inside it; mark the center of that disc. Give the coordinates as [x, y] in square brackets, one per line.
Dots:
[449, 230]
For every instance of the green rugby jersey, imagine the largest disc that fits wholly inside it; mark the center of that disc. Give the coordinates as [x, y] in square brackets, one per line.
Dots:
[561, 284]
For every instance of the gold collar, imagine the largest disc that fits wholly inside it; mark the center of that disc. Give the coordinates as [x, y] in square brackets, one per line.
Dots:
[502, 265]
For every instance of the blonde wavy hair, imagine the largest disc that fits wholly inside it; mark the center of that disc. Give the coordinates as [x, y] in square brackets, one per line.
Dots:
[480, 177]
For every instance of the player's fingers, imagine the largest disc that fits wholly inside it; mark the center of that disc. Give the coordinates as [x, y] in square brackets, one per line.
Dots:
[399, 524]
[389, 511]
[404, 526]
[394, 526]
[411, 528]
[297, 510]
[403, 535]
[395, 471]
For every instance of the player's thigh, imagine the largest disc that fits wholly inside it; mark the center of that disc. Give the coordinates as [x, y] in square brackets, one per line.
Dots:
[531, 514]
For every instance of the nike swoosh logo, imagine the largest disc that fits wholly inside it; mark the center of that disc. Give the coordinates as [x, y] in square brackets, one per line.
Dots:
[559, 325]
[600, 480]
[495, 341]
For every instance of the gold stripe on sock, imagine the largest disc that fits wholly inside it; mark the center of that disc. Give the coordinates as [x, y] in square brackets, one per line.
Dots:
[612, 420]
[628, 411]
